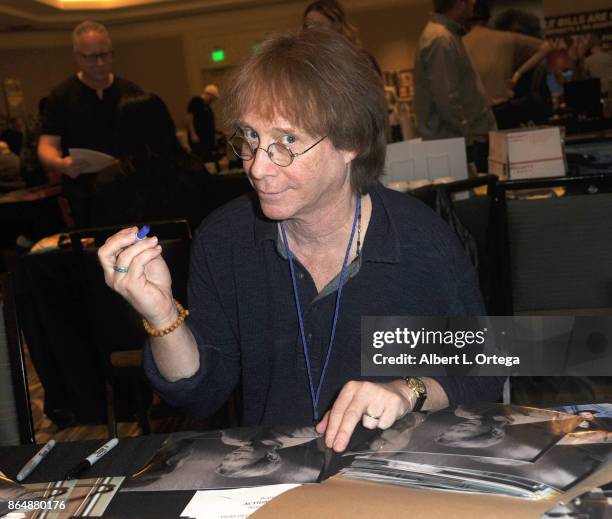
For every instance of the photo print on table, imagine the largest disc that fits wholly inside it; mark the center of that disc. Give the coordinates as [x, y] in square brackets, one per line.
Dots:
[232, 458]
[484, 430]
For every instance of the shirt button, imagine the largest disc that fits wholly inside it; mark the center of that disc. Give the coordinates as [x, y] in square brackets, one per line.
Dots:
[300, 275]
[309, 336]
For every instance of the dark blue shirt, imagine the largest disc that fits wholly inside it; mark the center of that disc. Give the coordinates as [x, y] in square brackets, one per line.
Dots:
[244, 319]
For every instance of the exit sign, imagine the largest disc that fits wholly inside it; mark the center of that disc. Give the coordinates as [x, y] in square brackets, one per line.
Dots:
[217, 55]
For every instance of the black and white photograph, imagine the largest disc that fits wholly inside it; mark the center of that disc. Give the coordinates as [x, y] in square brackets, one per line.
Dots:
[232, 458]
[484, 430]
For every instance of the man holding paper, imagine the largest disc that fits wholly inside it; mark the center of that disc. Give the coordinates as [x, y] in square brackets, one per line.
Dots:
[81, 113]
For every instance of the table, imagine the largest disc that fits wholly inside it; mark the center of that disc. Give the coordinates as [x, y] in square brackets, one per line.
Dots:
[123, 460]
[336, 497]
[33, 211]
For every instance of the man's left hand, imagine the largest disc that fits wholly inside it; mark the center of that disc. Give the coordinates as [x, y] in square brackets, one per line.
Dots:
[374, 404]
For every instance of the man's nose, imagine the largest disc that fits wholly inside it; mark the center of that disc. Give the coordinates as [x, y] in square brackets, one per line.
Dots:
[261, 164]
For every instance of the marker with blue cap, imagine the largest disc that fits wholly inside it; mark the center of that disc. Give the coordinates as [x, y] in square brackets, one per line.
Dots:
[142, 232]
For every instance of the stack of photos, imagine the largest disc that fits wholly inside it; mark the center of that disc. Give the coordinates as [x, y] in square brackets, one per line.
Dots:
[492, 449]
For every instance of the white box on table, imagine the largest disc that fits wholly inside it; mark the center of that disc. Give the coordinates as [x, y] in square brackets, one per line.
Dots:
[526, 153]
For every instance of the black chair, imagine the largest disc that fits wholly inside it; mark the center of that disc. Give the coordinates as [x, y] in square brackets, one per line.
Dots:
[556, 261]
[16, 423]
[426, 194]
[473, 218]
[115, 329]
[556, 250]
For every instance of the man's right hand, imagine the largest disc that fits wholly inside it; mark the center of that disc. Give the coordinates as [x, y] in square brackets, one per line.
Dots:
[194, 138]
[146, 284]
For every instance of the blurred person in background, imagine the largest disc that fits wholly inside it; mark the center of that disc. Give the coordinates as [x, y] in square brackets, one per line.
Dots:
[598, 64]
[81, 112]
[200, 122]
[13, 134]
[450, 100]
[331, 14]
[31, 168]
[155, 178]
[10, 174]
[532, 99]
[501, 59]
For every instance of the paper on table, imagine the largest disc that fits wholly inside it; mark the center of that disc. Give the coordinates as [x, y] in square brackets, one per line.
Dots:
[96, 160]
[234, 503]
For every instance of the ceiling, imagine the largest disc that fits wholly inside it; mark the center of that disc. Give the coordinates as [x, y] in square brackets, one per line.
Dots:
[44, 15]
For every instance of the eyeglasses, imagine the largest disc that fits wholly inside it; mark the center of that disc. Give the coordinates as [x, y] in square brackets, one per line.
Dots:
[93, 58]
[278, 153]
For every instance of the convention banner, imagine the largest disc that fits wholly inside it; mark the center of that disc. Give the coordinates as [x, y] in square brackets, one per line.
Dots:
[575, 37]
[578, 29]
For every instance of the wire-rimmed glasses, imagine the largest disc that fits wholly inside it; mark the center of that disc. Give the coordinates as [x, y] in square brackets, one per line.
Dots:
[280, 154]
[93, 58]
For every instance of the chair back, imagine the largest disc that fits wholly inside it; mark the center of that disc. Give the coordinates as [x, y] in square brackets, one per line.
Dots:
[558, 249]
[16, 423]
[555, 258]
[113, 324]
[474, 221]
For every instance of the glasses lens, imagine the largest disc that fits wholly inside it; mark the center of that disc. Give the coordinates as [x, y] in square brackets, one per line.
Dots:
[93, 58]
[280, 154]
[241, 148]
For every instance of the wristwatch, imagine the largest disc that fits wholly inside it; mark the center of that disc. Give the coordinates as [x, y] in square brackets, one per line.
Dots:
[418, 386]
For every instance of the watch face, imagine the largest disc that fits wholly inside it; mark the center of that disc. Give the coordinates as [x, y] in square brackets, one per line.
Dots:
[417, 385]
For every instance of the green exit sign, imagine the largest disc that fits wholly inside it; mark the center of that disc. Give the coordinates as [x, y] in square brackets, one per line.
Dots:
[217, 55]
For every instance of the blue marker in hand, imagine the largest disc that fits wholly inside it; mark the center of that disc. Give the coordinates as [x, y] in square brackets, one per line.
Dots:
[142, 232]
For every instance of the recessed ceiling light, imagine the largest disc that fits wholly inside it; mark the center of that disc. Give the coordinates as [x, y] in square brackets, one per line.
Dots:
[95, 4]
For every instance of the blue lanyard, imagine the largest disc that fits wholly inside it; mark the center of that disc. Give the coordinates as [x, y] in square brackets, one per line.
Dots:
[316, 395]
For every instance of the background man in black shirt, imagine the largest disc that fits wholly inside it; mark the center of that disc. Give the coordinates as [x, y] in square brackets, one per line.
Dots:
[200, 123]
[81, 113]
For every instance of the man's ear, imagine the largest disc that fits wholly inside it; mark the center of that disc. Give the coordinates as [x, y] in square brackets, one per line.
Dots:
[348, 155]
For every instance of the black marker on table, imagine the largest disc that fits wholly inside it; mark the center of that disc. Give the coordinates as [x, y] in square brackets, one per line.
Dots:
[75, 471]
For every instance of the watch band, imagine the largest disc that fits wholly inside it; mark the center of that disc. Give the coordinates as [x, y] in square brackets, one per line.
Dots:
[419, 388]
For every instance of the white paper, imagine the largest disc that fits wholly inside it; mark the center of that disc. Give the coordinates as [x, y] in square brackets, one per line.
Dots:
[416, 160]
[235, 503]
[96, 160]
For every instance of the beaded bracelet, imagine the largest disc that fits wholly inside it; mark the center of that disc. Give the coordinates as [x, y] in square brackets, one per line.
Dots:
[179, 320]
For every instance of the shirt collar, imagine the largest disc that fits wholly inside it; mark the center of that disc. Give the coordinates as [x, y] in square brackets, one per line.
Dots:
[451, 25]
[264, 229]
[381, 243]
